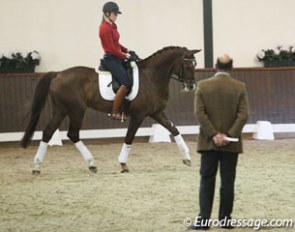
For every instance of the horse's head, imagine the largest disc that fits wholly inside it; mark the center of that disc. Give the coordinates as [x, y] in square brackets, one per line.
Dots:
[184, 70]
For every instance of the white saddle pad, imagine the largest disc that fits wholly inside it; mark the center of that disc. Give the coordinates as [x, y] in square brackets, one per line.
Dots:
[105, 78]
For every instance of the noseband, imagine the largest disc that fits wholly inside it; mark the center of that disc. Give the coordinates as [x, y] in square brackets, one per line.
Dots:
[180, 74]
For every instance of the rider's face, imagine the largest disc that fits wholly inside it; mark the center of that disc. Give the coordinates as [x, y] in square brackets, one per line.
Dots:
[113, 16]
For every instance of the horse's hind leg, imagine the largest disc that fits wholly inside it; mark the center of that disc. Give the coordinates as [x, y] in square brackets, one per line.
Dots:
[51, 127]
[73, 133]
[162, 119]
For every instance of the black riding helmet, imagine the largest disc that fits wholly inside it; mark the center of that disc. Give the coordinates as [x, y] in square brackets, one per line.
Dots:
[111, 7]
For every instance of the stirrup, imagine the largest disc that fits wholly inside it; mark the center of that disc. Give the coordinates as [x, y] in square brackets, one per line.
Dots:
[117, 116]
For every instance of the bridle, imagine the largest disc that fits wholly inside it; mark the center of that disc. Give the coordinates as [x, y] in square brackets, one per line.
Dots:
[180, 74]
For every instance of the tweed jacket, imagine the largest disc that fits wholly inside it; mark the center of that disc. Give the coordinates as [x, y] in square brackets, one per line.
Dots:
[221, 105]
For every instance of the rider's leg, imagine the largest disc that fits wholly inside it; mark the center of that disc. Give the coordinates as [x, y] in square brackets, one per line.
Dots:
[120, 95]
[115, 66]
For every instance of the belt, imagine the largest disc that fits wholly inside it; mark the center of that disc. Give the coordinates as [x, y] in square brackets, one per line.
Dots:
[109, 55]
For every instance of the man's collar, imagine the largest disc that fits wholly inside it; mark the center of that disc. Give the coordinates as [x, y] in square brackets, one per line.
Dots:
[221, 74]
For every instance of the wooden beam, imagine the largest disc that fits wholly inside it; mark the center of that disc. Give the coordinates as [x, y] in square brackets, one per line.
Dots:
[208, 33]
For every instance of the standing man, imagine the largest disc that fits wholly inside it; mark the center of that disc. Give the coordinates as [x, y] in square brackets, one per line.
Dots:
[221, 106]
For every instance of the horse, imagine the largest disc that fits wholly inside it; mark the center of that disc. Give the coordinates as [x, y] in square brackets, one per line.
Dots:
[74, 89]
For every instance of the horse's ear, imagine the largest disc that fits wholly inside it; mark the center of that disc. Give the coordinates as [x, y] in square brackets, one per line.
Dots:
[192, 52]
[195, 51]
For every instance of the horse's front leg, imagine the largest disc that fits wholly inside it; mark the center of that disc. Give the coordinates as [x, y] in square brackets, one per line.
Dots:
[134, 124]
[162, 119]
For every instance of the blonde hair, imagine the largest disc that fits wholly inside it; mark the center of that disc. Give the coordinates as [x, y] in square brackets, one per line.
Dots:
[102, 20]
[103, 17]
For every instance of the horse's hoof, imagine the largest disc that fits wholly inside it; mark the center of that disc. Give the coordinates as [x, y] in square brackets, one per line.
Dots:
[93, 169]
[125, 171]
[187, 162]
[36, 172]
[124, 168]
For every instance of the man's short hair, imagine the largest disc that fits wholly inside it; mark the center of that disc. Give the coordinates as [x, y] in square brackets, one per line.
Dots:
[224, 63]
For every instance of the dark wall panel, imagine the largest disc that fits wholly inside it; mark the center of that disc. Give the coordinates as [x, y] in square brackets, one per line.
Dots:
[270, 92]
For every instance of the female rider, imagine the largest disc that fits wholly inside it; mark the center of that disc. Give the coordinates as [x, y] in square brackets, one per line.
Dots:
[114, 55]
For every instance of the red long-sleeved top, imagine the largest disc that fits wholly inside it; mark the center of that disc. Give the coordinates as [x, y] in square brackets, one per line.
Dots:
[109, 37]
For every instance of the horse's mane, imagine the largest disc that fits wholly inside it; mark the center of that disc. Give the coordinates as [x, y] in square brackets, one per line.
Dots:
[155, 54]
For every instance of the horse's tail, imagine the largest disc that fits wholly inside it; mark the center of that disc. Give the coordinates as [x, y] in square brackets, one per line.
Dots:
[38, 103]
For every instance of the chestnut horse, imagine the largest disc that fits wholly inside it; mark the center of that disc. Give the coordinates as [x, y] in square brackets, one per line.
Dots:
[75, 89]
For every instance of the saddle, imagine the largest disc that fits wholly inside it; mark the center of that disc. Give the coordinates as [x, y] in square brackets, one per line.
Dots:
[114, 83]
[128, 67]
[108, 86]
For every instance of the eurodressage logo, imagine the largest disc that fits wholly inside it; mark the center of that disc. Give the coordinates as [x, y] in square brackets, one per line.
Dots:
[256, 224]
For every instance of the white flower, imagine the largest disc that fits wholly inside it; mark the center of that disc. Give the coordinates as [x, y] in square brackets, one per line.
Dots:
[293, 49]
[283, 48]
[277, 52]
[261, 55]
[35, 55]
[24, 54]
[8, 56]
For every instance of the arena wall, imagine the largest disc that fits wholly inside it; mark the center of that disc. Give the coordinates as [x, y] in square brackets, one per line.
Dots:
[270, 91]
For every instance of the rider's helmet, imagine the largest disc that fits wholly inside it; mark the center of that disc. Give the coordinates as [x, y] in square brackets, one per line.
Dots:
[111, 7]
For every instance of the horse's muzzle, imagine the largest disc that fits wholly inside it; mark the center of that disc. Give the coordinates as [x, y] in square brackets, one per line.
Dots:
[188, 87]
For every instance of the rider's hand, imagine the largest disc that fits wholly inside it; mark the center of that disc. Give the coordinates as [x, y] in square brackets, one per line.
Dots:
[131, 52]
[132, 57]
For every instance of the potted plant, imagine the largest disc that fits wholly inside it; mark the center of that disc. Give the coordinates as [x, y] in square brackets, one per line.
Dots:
[19, 62]
[280, 56]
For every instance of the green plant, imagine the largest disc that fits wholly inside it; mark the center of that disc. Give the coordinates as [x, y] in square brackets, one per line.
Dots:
[280, 53]
[19, 62]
